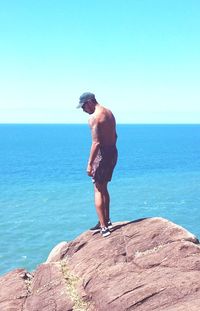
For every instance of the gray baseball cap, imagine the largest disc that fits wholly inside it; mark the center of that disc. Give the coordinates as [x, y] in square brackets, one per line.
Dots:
[84, 97]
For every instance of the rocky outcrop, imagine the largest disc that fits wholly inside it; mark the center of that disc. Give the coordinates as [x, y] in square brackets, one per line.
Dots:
[149, 264]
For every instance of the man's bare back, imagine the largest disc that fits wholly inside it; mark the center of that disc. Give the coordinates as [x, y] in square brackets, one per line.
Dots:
[103, 122]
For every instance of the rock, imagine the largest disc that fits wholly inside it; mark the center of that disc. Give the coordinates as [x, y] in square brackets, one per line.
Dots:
[46, 290]
[148, 264]
[58, 252]
[13, 290]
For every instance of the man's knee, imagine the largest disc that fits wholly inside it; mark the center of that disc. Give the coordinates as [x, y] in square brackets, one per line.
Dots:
[101, 187]
[98, 187]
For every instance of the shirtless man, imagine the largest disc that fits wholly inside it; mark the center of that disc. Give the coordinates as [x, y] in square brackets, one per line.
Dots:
[103, 156]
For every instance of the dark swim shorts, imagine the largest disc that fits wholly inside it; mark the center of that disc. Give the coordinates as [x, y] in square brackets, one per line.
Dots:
[104, 164]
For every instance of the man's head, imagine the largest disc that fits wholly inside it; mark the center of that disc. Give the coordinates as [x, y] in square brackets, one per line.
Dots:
[87, 102]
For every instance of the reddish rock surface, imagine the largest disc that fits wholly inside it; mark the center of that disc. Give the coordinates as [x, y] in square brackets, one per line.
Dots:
[45, 291]
[144, 265]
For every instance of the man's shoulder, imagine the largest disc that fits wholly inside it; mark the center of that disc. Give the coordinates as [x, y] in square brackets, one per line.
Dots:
[94, 120]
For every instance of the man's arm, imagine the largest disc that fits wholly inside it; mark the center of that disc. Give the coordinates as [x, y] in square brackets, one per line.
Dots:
[95, 144]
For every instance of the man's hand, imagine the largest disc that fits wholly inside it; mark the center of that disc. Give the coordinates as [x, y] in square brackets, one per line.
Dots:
[89, 170]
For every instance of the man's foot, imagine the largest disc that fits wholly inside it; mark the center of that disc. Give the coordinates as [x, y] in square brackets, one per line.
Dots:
[105, 232]
[109, 224]
[96, 228]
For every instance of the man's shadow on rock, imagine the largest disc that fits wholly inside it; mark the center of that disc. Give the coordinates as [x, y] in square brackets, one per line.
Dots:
[119, 226]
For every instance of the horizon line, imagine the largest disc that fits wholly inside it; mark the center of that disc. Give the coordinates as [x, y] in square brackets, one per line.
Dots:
[118, 123]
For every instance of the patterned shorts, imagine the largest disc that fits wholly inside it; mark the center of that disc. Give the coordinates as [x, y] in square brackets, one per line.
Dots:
[104, 164]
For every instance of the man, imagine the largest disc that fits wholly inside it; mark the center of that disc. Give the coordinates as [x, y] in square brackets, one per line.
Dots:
[102, 158]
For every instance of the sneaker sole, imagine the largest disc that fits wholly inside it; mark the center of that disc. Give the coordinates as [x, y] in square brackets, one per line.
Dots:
[95, 230]
[98, 230]
[106, 234]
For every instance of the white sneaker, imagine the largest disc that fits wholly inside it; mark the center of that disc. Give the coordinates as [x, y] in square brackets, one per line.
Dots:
[105, 232]
[109, 224]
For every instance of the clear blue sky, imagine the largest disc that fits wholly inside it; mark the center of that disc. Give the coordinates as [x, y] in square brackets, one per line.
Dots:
[140, 57]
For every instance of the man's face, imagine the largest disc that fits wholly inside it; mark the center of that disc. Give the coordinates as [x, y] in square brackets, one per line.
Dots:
[88, 107]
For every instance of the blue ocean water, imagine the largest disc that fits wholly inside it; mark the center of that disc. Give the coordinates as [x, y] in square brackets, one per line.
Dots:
[47, 197]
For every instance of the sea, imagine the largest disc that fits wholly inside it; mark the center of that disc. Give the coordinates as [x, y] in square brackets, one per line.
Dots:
[46, 196]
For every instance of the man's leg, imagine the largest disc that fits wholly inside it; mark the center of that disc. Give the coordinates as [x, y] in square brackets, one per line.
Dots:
[106, 200]
[101, 203]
